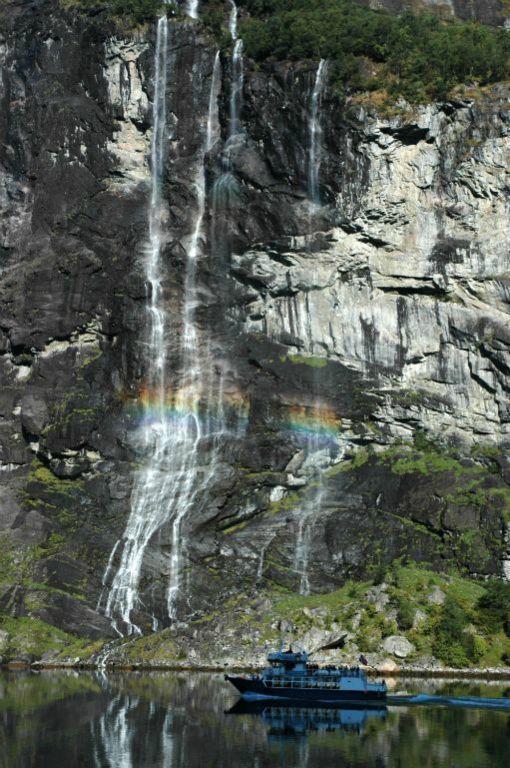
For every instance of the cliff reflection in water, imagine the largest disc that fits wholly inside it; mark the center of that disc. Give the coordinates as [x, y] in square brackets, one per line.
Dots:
[178, 720]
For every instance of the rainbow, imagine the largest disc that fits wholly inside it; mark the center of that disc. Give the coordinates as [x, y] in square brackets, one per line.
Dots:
[317, 420]
[178, 406]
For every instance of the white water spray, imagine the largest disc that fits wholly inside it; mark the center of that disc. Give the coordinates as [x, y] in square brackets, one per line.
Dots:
[192, 8]
[316, 459]
[311, 510]
[196, 371]
[147, 494]
[232, 20]
[315, 134]
[237, 88]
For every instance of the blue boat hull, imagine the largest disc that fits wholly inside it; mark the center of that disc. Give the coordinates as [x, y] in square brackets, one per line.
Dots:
[255, 690]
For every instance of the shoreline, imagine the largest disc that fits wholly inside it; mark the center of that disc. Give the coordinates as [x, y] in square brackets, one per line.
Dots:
[402, 672]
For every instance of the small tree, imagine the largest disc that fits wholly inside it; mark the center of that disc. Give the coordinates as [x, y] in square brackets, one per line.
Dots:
[494, 606]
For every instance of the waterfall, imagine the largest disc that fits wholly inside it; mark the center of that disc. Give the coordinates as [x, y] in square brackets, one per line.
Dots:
[232, 20]
[236, 92]
[237, 87]
[312, 508]
[192, 8]
[225, 186]
[196, 366]
[147, 494]
[317, 458]
[315, 135]
[183, 419]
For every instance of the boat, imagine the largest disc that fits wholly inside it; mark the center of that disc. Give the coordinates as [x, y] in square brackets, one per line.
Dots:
[291, 677]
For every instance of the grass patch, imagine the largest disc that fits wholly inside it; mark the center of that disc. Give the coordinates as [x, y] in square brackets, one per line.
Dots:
[33, 637]
[159, 648]
[311, 362]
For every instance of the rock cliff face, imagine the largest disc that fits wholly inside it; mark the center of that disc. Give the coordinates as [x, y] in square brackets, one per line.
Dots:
[362, 344]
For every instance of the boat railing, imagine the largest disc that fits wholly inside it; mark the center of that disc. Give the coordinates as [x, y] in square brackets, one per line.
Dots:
[293, 682]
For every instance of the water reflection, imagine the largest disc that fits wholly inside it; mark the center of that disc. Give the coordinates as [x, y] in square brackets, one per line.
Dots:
[170, 720]
[292, 721]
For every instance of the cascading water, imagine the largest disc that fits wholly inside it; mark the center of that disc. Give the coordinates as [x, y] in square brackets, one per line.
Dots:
[317, 454]
[315, 133]
[225, 187]
[167, 485]
[232, 20]
[317, 461]
[225, 180]
[197, 392]
[192, 8]
[236, 93]
[224, 197]
[148, 492]
[181, 451]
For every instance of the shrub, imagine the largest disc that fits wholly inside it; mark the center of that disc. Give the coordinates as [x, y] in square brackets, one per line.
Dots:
[405, 614]
[451, 653]
[494, 606]
[422, 56]
[451, 643]
[453, 621]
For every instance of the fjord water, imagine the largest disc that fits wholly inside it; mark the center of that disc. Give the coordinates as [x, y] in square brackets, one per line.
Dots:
[181, 720]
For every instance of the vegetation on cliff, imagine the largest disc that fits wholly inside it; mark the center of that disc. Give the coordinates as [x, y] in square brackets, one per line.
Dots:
[442, 616]
[417, 56]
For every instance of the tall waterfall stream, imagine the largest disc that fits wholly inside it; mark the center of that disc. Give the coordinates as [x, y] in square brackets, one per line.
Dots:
[175, 469]
[316, 458]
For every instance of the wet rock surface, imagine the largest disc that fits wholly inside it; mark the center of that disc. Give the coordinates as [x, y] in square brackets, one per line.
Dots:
[375, 318]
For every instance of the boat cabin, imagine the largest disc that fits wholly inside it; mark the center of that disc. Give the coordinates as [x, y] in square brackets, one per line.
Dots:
[285, 662]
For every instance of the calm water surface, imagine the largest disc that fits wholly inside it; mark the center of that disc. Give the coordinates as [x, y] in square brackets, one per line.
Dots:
[174, 720]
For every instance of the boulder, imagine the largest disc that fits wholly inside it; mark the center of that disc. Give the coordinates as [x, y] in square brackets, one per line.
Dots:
[436, 596]
[34, 412]
[388, 666]
[420, 617]
[319, 639]
[378, 596]
[398, 646]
